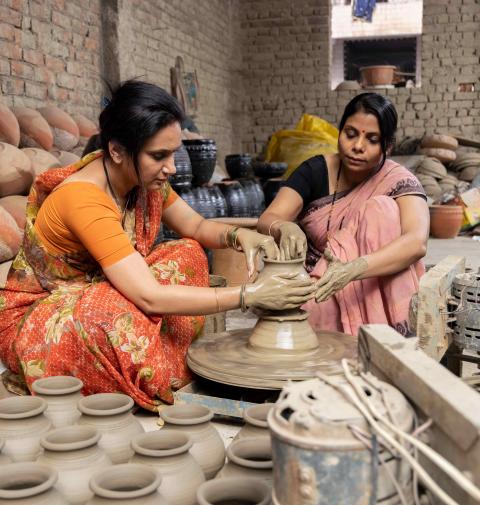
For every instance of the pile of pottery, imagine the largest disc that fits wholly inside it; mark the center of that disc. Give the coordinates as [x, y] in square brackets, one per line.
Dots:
[466, 166]
[203, 156]
[60, 447]
[32, 141]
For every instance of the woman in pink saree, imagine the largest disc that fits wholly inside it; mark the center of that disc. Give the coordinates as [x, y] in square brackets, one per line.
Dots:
[363, 223]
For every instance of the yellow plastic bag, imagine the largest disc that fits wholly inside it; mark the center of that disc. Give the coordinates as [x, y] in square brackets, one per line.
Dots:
[312, 136]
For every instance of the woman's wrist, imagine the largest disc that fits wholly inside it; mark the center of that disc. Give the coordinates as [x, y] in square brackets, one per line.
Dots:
[274, 227]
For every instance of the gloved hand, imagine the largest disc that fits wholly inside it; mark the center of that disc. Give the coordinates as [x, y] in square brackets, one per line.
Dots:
[252, 243]
[292, 241]
[338, 275]
[279, 292]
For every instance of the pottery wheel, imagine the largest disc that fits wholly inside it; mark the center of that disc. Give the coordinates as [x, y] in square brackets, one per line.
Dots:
[228, 358]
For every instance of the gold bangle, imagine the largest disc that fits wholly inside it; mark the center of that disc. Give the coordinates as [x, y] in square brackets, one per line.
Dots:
[233, 237]
[225, 236]
[271, 224]
[216, 299]
[243, 307]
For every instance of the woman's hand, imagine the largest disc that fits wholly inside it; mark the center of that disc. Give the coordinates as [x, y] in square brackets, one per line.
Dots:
[338, 275]
[252, 243]
[292, 241]
[279, 292]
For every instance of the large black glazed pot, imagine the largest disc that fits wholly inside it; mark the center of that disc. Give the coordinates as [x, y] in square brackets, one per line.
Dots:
[239, 166]
[183, 176]
[269, 170]
[203, 156]
[236, 198]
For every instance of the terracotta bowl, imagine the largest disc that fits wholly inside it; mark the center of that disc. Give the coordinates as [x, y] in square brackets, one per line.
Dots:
[445, 220]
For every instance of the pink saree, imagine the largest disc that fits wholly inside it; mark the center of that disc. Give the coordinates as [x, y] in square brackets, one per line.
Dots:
[363, 220]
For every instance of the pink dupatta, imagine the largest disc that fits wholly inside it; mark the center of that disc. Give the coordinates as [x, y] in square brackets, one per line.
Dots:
[363, 220]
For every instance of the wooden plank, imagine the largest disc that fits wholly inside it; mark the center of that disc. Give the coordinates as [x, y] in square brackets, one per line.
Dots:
[432, 331]
[452, 404]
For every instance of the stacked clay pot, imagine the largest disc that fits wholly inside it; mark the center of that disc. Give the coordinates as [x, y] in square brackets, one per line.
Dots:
[40, 160]
[208, 448]
[441, 147]
[255, 418]
[168, 452]
[9, 127]
[34, 129]
[203, 156]
[466, 166]
[235, 491]
[65, 130]
[86, 128]
[445, 220]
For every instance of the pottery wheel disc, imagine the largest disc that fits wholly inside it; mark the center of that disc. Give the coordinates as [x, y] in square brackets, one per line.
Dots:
[229, 359]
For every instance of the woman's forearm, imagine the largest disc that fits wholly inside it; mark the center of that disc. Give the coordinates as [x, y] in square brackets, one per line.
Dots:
[395, 257]
[267, 224]
[211, 234]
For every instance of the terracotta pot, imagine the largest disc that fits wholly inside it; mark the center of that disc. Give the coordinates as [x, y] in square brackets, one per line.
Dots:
[74, 453]
[111, 414]
[16, 206]
[129, 484]
[41, 160]
[234, 491]
[208, 448]
[10, 236]
[9, 128]
[62, 394]
[65, 158]
[28, 484]
[22, 424]
[15, 171]
[86, 127]
[445, 220]
[65, 129]
[3, 458]
[255, 418]
[168, 452]
[34, 129]
[249, 457]
[376, 75]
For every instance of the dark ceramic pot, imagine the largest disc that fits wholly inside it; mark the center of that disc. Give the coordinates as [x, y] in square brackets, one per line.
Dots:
[270, 188]
[236, 199]
[239, 166]
[219, 202]
[183, 176]
[206, 206]
[203, 156]
[255, 196]
[270, 170]
[188, 196]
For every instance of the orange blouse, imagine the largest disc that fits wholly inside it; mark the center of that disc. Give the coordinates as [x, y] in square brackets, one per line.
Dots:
[79, 216]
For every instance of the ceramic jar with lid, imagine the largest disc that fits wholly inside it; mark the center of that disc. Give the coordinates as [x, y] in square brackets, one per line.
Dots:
[208, 448]
[168, 452]
[129, 484]
[29, 484]
[22, 424]
[111, 414]
[74, 453]
[62, 394]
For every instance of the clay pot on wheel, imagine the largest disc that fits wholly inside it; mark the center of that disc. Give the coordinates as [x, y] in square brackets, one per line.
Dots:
[62, 394]
[111, 414]
[234, 491]
[255, 418]
[29, 483]
[445, 220]
[249, 457]
[208, 448]
[168, 452]
[73, 452]
[22, 424]
[3, 459]
[129, 484]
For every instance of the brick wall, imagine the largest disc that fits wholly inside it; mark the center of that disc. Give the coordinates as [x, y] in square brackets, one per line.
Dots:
[50, 53]
[286, 55]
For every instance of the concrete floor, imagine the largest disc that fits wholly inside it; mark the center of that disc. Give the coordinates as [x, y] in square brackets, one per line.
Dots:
[438, 249]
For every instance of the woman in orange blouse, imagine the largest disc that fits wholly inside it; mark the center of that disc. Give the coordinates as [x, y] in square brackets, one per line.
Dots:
[89, 295]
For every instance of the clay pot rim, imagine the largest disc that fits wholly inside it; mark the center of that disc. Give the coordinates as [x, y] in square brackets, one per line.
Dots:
[97, 481]
[250, 413]
[33, 406]
[455, 208]
[204, 414]
[225, 488]
[26, 468]
[184, 445]
[41, 386]
[84, 404]
[256, 443]
[284, 262]
[91, 437]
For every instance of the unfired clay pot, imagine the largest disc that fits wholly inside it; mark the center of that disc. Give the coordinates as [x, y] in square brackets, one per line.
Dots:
[10, 236]
[62, 394]
[34, 129]
[3, 458]
[74, 453]
[234, 491]
[255, 418]
[111, 414]
[445, 220]
[129, 484]
[65, 158]
[86, 128]
[65, 129]
[41, 160]
[29, 484]
[249, 457]
[16, 206]
[208, 448]
[168, 452]
[9, 128]
[22, 424]
[15, 171]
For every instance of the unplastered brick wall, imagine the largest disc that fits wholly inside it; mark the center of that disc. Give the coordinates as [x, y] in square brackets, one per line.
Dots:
[286, 59]
[50, 53]
[206, 34]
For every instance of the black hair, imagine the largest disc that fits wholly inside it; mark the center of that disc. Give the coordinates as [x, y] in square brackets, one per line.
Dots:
[136, 111]
[383, 109]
